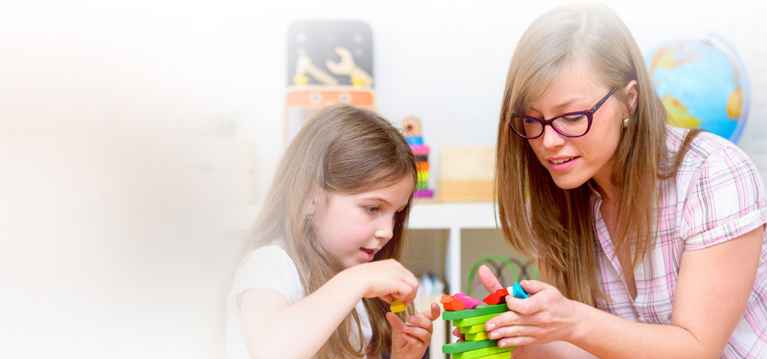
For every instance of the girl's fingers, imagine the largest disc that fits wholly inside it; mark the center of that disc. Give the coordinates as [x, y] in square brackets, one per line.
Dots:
[395, 322]
[421, 335]
[421, 322]
[432, 313]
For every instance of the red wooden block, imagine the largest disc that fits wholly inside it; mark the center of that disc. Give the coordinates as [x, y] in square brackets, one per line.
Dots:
[497, 298]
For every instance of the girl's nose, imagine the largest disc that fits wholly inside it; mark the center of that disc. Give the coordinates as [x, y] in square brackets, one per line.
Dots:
[385, 230]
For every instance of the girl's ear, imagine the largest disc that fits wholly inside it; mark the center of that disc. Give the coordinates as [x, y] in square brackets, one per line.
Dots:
[311, 205]
[631, 91]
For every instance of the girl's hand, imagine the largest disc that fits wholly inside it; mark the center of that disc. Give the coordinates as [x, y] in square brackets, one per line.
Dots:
[409, 341]
[386, 279]
[545, 317]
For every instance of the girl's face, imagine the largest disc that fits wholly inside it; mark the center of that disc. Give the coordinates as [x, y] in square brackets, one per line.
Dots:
[572, 161]
[354, 227]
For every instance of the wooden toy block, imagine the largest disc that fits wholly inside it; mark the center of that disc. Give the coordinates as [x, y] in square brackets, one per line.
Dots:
[466, 190]
[519, 292]
[482, 352]
[467, 173]
[397, 306]
[472, 329]
[503, 355]
[451, 303]
[468, 313]
[460, 347]
[467, 163]
[420, 150]
[414, 140]
[476, 336]
[474, 320]
[471, 303]
[411, 126]
[497, 298]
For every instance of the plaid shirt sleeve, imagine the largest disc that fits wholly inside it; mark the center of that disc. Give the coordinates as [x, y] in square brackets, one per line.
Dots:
[726, 200]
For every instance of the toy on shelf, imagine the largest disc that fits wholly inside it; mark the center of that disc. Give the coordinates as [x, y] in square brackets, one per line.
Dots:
[411, 128]
[329, 62]
[470, 316]
[466, 173]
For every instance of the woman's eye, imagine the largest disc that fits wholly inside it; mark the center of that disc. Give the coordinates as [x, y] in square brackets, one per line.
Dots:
[573, 118]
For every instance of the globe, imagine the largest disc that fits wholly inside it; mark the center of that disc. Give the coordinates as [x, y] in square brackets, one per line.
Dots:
[702, 83]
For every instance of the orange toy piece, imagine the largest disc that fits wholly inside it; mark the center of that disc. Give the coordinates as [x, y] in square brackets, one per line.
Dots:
[451, 303]
[497, 298]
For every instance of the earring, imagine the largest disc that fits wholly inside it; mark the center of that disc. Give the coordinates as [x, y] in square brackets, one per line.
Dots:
[626, 122]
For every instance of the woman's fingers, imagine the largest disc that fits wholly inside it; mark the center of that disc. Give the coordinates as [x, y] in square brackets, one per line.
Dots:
[488, 279]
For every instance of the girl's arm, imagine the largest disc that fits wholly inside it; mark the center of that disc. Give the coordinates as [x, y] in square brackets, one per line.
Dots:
[712, 290]
[272, 328]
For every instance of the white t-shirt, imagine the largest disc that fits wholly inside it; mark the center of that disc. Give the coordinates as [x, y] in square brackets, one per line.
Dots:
[269, 267]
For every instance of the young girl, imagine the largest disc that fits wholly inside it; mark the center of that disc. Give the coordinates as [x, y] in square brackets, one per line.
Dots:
[320, 267]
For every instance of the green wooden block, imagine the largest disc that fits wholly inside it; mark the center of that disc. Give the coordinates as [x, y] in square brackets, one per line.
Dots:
[468, 313]
[472, 329]
[461, 347]
[467, 322]
[476, 336]
[482, 352]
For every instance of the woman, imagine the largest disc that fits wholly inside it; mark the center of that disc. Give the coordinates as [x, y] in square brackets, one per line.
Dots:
[650, 239]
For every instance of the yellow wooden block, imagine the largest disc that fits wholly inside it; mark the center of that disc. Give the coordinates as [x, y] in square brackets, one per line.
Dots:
[476, 336]
[397, 306]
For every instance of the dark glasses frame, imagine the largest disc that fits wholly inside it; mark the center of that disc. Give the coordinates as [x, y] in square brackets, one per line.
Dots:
[588, 113]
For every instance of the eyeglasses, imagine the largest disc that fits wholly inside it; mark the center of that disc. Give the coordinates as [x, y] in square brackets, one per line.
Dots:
[572, 124]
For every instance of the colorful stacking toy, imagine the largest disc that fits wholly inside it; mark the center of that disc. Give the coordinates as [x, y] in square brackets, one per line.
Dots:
[470, 316]
[411, 127]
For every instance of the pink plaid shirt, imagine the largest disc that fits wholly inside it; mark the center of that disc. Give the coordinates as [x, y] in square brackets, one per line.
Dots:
[717, 195]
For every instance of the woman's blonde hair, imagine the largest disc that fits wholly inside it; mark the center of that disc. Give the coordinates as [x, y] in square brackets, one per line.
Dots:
[554, 225]
[343, 149]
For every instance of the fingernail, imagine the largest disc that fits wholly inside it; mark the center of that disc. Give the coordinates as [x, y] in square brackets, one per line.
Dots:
[494, 335]
[490, 327]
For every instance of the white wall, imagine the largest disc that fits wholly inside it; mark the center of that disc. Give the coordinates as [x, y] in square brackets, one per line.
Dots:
[103, 255]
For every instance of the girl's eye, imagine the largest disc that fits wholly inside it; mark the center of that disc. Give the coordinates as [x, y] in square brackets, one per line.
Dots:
[372, 209]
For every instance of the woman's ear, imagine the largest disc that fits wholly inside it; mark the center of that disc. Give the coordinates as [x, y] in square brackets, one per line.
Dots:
[631, 91]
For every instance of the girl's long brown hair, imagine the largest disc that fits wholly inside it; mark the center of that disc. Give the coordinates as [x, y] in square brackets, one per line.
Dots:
[556, 226]
[342, 149]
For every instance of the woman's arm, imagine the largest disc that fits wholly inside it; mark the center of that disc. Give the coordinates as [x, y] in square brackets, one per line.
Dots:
[712, 290]
[273, 328]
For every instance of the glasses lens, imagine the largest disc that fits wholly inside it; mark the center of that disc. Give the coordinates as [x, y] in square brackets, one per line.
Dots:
[575, 124]
[526, 126]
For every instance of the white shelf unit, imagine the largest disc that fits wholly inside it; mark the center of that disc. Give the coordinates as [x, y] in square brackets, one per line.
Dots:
[453, 217]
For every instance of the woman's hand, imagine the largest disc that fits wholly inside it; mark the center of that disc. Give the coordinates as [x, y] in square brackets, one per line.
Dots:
[545, 317]
[409, 341]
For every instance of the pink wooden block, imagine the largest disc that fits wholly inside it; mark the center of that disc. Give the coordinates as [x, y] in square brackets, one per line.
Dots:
[470, 302]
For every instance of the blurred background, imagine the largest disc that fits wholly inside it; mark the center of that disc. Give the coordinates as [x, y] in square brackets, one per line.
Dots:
[137, 139]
